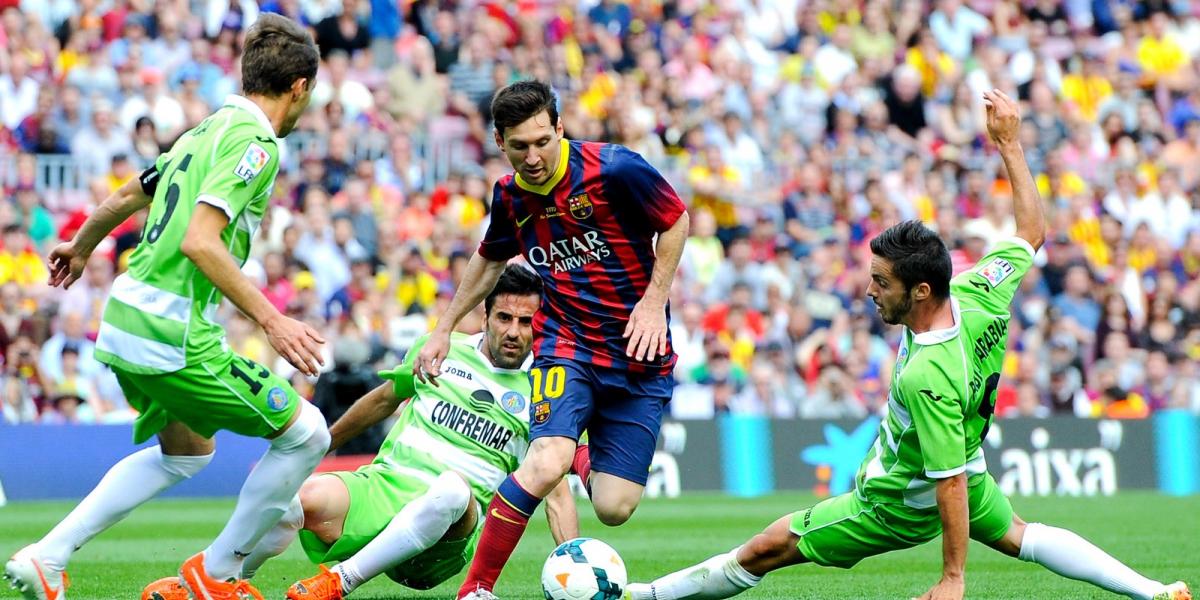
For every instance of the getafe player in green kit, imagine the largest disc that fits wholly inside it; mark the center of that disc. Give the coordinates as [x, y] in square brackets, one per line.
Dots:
[415, 513]
[207, 196]
[926, 473]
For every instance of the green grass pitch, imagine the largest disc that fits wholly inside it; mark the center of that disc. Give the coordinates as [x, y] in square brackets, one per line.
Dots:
[1157, 535]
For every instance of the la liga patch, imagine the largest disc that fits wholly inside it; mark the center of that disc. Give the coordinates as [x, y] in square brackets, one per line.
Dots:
[996, 271]
[254, 160]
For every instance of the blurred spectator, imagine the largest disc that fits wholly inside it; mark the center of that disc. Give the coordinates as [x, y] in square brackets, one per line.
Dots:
[94, 147]
[1029, 403]
[24, 382]
[956, 27]
[832, 397]
[1075, 302]
[19, 91]
[765, 395]
[72, 333]
[164, 110]
[34, 217]
[337, 87]
[346, 31]
[19, 262]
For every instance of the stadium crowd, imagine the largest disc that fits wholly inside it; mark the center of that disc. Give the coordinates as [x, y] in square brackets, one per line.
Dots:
[795, 130]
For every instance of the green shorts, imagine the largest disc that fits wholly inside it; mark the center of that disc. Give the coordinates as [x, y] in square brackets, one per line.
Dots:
[228, 392]
[377, 493]
[841, 531]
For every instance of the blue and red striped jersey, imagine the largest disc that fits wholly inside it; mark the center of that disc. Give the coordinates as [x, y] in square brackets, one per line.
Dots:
[588, 232]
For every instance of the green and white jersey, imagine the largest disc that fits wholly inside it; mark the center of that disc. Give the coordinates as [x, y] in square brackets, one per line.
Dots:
[159, 316]
[475, 421]
[943, 388]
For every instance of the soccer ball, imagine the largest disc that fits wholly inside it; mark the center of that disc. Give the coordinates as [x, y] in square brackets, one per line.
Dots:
[583, 569]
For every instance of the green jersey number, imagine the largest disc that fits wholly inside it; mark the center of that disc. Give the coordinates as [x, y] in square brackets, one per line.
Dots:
[153, 232]
[257, 370]
[988, 405]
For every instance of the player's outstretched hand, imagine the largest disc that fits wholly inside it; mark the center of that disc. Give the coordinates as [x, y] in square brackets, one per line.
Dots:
[428, 364]
[945, 589]
[66, 264]
[1003, 117]
[296, 342]
[647, 331]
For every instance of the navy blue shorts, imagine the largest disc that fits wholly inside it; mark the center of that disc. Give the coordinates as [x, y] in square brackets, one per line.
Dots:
[621, 411]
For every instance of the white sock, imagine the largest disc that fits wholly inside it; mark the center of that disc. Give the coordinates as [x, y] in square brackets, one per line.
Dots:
[276, 540]
[718, 577]
[418, 526]
[268, 491]
[1069, 555]
[127, 485]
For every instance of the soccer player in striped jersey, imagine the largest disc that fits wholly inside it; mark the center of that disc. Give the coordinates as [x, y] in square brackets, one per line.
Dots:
[207, 196]
[415, 513]
[585, 216]
[926, 474]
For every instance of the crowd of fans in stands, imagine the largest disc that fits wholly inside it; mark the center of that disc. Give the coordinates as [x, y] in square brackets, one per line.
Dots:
[794, 129]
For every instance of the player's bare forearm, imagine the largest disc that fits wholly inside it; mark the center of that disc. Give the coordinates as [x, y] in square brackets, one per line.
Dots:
[120, 205]
[377, 405]
[1027, 203]
[478, 280]
[956, 519]
[1004, 126]
[561, 513]
[667, 253]
[203, 246]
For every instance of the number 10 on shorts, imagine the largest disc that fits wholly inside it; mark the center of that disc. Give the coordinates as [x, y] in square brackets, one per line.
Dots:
[554, 378]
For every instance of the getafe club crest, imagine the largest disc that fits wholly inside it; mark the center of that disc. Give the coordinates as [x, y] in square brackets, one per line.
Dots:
[580, 206]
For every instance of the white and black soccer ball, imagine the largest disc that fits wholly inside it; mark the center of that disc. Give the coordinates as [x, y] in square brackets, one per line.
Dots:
[584, 569]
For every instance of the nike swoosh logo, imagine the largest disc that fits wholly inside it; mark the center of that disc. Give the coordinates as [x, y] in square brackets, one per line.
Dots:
[51, 593]
[496, 513]
[522, 222]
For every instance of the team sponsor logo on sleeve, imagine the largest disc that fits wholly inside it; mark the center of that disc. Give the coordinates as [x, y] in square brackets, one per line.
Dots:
[253, 162]
[277, 399]
[580, 206]
[513, 402]
[997, 271]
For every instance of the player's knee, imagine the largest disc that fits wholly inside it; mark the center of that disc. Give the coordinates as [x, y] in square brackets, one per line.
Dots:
[314, 500]
[616, 512]
[769, 545]
[542, 471]
[185, 467]
[308, 434]
[454, 494]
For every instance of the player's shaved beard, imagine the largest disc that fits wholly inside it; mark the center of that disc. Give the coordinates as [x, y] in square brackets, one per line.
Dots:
[500, 359]
[896, 315]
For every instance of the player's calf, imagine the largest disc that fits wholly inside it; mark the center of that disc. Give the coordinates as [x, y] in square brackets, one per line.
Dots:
[771, 550]
[276, 541]
[1069, 555]
[728, 574]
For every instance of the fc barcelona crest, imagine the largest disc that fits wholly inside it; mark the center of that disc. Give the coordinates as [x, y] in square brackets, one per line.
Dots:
[580, 206]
